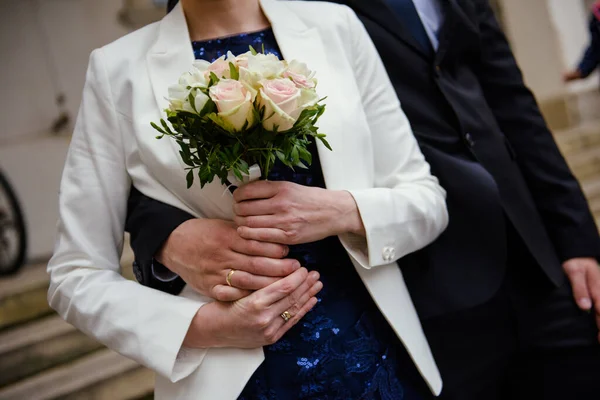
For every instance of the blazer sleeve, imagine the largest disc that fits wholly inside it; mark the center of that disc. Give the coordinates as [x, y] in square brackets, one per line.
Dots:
[86, 287]
[591, 57]
[555, 190]
[406, 210]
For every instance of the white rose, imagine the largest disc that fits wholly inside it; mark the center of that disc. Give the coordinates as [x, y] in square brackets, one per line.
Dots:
[283, 103]
[240, 60]
[300, 74]
[179, 99]
[234, 102]
[259, 67]
[196, 78]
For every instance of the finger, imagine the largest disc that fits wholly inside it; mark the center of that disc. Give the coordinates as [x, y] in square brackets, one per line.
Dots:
[310, 304]
[256, 190]
[228, 293]
[246, 281]
[259, 221]
[593, 282]
[268, 266]
[577, 276]
[272, 235]
[296, 306]
[260, 249]
[281, 289]
[295, 300]
[253, 207]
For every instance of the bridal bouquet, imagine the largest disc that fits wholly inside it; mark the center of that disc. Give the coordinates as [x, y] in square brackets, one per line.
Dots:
[233, 118]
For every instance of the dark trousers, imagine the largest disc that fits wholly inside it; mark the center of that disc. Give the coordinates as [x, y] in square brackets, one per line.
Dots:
[530, 341]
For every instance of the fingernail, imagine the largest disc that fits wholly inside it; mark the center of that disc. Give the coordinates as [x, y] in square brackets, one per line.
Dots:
[286, 252]
[585, 303]
[314, 275]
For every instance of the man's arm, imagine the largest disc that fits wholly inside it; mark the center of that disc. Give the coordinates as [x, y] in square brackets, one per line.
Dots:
[199, 252]
[150, 223]
[591, 58]
[556, 192]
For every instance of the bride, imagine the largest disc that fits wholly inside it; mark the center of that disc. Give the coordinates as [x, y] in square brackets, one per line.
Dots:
[374, 193]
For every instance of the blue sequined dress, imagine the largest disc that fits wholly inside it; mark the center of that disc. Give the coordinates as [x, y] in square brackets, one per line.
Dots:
[343, 349]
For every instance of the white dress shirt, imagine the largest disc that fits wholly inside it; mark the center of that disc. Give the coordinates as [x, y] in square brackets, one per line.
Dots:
[432, 16]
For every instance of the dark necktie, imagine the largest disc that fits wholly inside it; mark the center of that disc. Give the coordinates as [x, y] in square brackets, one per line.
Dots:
[407, 12]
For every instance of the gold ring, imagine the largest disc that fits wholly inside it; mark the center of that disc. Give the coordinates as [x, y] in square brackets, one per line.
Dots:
[286, 316]
[228, 277]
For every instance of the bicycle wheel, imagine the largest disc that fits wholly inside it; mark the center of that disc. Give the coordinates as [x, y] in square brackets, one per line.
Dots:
[13, 238]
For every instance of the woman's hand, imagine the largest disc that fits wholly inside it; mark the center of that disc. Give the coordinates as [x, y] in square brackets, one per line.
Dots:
[256, 320]
[288, 213]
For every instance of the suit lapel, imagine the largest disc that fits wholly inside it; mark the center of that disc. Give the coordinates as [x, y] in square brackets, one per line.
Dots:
[380, 13]
[457, 25]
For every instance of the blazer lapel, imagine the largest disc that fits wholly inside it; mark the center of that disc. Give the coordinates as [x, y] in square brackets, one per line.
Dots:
[297, 41]
[171, 55]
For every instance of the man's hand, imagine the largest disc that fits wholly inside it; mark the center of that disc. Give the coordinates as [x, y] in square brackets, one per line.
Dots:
[574, 75]
[204, 251]
[584, 274]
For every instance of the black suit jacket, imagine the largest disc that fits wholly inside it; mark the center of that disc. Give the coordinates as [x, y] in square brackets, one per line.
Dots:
[485, 139]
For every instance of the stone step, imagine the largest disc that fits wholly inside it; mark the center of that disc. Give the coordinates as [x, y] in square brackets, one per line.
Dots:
[592, 192]
[101, 372]
[137, 384]
[39, 345]
[23, 297]
[586, 165]
[579, 139]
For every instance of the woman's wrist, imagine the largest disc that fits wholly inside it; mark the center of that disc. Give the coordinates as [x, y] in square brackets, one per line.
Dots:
[203, 330]
[346, 216]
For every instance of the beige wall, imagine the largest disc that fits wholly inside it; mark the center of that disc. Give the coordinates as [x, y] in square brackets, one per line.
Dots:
[45, 47]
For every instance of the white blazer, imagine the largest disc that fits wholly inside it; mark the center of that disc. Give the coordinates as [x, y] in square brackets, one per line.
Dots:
[375, 157]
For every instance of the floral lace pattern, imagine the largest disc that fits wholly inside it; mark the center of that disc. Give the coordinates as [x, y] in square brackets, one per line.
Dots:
[343, 349]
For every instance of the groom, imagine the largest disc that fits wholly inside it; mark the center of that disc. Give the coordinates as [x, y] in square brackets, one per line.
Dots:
[496, 291]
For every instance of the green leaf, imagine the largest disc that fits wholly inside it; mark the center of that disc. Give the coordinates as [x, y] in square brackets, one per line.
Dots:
[233, 71]
[305, 155]
[166, 127]
[214, 79]
[244, 167]
[254, 52]
[192, 100]
[190, 178]
[281, 156]
[326, 143]
[294, 155]
[238, 174]
[158, 128]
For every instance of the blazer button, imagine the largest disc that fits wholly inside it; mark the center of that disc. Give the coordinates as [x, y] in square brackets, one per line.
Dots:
[469, 140]
[388, 254]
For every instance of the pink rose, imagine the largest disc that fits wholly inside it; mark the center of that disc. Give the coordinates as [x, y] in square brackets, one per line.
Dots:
[220, 67]
[300, 74]
[234, 102]
[283, 103]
